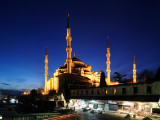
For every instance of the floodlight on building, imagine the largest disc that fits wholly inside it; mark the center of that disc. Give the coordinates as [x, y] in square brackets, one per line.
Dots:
[116, 83]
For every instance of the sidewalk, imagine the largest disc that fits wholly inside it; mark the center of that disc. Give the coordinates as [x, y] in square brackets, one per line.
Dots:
[123, 114]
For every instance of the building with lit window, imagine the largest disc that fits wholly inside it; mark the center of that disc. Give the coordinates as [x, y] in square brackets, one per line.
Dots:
[136, 98]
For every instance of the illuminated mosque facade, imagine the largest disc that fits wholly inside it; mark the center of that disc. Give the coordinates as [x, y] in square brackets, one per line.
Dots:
[75, 74]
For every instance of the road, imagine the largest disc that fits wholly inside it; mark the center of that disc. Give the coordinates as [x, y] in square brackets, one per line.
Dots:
[107, 116]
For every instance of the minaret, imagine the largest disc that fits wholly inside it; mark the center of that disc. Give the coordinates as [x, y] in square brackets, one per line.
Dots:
[108, 62]
[69, 49]
[134, 71]
[46, 72]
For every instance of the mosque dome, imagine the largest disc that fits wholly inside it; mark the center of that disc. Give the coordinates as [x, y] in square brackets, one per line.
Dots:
[76, 59]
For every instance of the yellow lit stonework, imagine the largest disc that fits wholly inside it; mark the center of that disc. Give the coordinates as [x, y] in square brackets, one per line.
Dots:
[108, 62]
[46, 73]
[78, 68]
[69, 49]
[108, 70]
[134, 71]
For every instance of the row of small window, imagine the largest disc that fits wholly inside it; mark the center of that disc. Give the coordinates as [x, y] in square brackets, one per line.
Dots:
[135, 90]
[71, 81]
[86, 92]
[148, 90]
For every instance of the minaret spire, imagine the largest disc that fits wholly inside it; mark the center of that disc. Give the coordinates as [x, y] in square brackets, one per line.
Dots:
[108, 62]
[134, 71]
[46, 50]
[46, 71]
[107, 41]
[69, 49]
[100, 69]
[68, 24]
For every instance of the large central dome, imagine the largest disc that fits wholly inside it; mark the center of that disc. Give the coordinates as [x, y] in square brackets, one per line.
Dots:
[76, 59]
[78, 67]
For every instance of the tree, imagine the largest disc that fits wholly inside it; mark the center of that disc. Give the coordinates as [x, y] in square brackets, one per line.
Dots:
[146, 76]
[33, 92]
[157, 76]
[102, 80]
[52, 92]
[118, 77]
[128, 81]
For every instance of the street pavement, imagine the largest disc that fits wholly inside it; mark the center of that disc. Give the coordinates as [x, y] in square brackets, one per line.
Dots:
[95, 116]
[105, 116]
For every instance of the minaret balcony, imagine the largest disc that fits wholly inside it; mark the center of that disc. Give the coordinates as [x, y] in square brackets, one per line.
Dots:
[69, 49]
[46, 74]
[108, 62]
[69, 38]
[108, 70]
[46, 68]
[108, 55]
[68, 60]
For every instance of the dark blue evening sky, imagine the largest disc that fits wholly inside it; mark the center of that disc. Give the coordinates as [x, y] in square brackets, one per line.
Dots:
[27, 26]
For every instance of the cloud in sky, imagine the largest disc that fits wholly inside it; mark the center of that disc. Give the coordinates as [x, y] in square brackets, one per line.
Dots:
[16, 79]
[20, 83]
[13, 83]
[5, 84]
